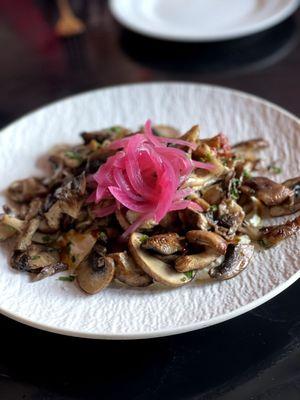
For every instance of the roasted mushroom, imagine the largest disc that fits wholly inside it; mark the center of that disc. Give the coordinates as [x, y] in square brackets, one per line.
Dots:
[128, 272]
[292, 205]
[196, 261]
[207, 239]
[26, 235]
[273, 235]
[267, 191]
[236, 260]
[95, 273]
[157, 269]
[9, 226]
[25, 190]
[76, 247]
[166, 243]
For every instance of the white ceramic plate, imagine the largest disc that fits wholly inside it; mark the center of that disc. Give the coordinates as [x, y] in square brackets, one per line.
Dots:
[128, 313]
[201, 20]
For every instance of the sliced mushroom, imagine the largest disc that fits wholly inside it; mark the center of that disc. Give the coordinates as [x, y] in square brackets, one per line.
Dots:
[95, 273]
[292, 205]
[236, 260]
[9, 226]
[192, 219]
[76, 247]
[166, 243]
[230, 217]
[115, 132]
[25, 237]
[273, 235]
[132, 216]
[269, 192]
[192, 135]
[25, 190]
[50, 270]
[157, 269]
[214, 194]
[249, 148]
[128, 272]
[207, 239]
[35, 258]
[196, 261]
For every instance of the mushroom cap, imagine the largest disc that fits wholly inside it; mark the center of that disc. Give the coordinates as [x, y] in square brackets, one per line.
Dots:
[157, 269]
[209, 239]
[92, 278]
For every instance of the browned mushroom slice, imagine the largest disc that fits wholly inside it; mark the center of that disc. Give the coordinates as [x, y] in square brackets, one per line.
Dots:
[207, 239]
[273, 235]
[76, 247]
[50, 270]
[157, 269]
[25, 190]
[115, 132]
[192, 135]
[230, 216]
[269, 192]
[25, 237]
[128, 272]
[236, 260]
[249, 148]
[9, 226]
[95, 273]
[214, 194]
[292, 205]
[193, 219]
[35, 258]
[166, 243]
[196, 261]
[121, 218]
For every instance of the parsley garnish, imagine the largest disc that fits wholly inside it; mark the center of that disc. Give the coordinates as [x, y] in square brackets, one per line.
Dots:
[73, 155]
[143, 238]
[189, 274]
[69, 278]
[274, 169]
[246, 174]
[234, 192]
[213, 208]
[116, 129]
[102, 236]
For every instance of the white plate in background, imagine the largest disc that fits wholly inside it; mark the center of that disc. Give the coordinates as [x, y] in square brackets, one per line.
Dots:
[130, 313]
[201, 20]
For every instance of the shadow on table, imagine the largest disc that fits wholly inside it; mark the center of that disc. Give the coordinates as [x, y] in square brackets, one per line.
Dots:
[235, 56]
[249, 353]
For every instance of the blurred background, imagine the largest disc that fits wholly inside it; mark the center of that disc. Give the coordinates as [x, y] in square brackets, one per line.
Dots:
[53, 49]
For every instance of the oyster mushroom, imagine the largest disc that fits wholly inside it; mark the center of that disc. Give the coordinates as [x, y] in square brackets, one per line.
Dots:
[273, 235]
[36, 258]
[192, 135]
[95, 273]
[9, 226]
[267, 191]
[236, 260]
[230, 218]
[157, 269]
[249, 148]
[50, 270]
[207, 239]
[128, 272]
[115, 132]
[292, 205]
[26, 235]
[166, 243]
[165, 131]
[25, 190]
[192, 219]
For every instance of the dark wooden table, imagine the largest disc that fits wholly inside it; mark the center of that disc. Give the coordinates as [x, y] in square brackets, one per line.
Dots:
[255, 356]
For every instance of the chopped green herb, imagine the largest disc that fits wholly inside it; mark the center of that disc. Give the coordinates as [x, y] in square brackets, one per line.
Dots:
[208, 157]
[73, 155]
[143, 238]
[274, 169]
[102, 236]
[213, 208]
[35, 258]
[46, 238]
[69, 278]
[183, 279]
[116, 129]
[246, 174]
[234, 192]
[189, 274]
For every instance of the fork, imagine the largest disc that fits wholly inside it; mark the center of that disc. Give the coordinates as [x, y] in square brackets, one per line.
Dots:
[67, 24]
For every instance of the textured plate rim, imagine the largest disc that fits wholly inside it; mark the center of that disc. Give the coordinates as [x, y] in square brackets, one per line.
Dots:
[185, 328]
[265, 24]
